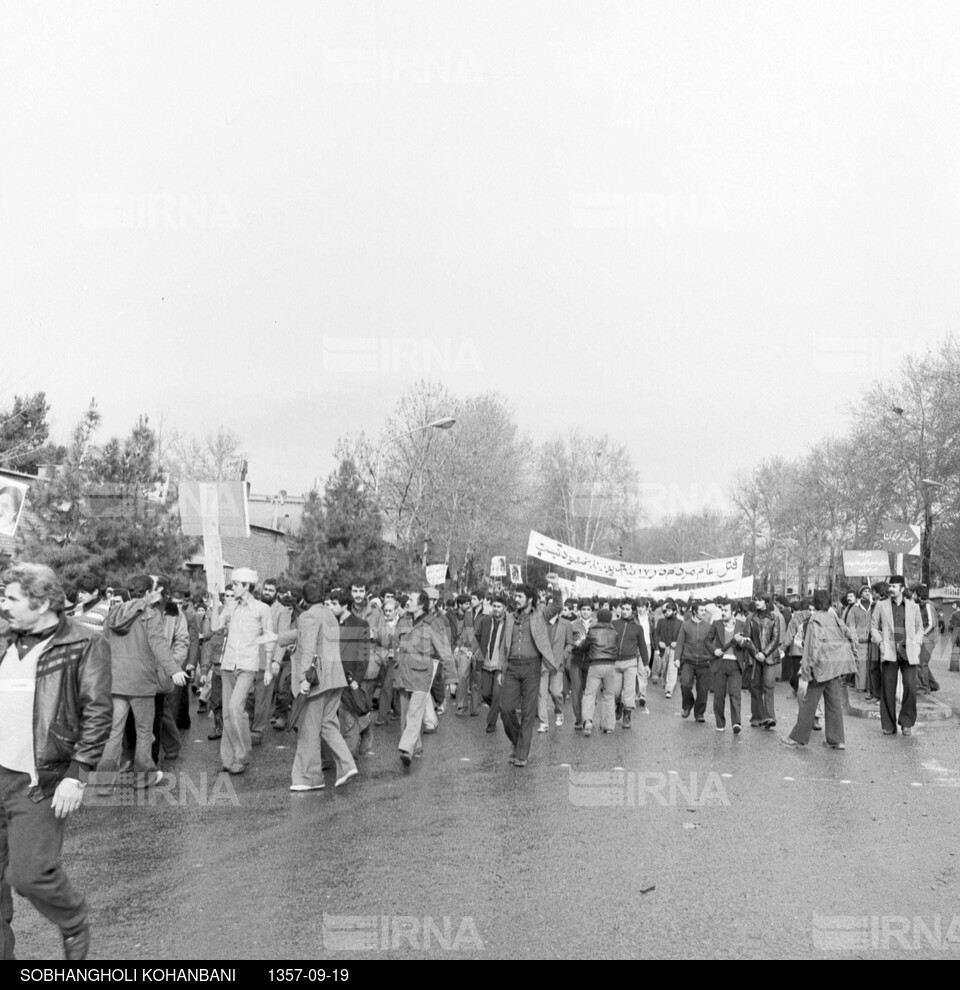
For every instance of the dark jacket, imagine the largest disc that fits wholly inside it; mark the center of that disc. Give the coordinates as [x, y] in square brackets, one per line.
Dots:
[354, 647]
[600, 646]
[631, 642]
[419, 641]
[72, 706]
[716, 640]
[138, 643]
[692, 642]
[667, 631]
[763, 630]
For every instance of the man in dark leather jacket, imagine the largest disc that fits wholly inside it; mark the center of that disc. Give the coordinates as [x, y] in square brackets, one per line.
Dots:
[599, 649]
[55, 716]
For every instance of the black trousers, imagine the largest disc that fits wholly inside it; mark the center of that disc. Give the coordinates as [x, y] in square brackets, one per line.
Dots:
[490, 693]
[873, 671]
[521, 689]
[695, 672]
[888, 695]
[727, 679]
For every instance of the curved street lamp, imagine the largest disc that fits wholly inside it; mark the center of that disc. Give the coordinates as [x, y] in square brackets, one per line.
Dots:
[444, 423]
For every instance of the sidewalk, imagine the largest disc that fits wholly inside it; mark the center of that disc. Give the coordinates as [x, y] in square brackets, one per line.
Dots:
[940, 705]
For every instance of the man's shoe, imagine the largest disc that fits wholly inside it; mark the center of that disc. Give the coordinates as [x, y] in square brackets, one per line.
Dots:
[461, 713]
[827, 745]
[755, 725]
[701, 720]
[770, 723]
[588, 728]
[307, 787]
[217, 730]
[350, 773]
[405, 758]
[889, 732]
[686, 713]
[519, 763]
[792, 743]
[721, 728]
[78, 945]
[906, 730]
[627, 718]
[641, 702]
[542, 727]
[238, 769]
[441, 709]
[380, 721]
[668, 694]
[558, 721]
[256, 738]
[578, 726]
[736, 729]
[150, 780]
[491, 728]
[817, 727]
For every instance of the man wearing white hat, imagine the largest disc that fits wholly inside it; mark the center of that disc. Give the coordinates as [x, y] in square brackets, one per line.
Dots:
[250, 630]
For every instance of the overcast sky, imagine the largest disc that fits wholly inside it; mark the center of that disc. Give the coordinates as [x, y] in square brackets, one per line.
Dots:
[698, 226]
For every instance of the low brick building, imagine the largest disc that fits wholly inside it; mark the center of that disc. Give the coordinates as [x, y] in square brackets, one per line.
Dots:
[266, 551]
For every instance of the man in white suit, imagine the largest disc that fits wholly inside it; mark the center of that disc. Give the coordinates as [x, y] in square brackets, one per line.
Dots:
[897, 628]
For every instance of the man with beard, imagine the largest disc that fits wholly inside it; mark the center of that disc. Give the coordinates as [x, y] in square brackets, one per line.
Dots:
[464, 651]
[55, 716]
[857, 616]
[528, 649]
[632, 651]
[897, 629]
[579, 667]
[763, 630]
[667, 630]
[493, 657]
[730, 649]
[386, 641]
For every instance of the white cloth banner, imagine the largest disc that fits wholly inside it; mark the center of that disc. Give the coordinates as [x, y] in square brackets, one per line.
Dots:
[652, 575]
[585, 588]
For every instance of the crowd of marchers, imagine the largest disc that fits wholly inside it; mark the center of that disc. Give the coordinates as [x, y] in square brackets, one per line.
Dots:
[98, 688]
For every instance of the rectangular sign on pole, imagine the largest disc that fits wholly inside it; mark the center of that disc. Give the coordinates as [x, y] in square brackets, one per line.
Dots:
[866, 563]
[436, 574]
[898, 537]
[212, 545]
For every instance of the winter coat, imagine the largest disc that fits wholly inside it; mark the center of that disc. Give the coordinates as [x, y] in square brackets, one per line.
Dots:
[138, 644]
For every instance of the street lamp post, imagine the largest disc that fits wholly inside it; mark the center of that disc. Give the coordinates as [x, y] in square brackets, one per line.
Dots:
[444, 423]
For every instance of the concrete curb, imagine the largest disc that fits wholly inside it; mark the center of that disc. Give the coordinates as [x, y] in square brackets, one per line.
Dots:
[928, 710]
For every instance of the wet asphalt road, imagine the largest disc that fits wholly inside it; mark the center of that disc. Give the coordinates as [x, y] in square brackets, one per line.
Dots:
[753, 850]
